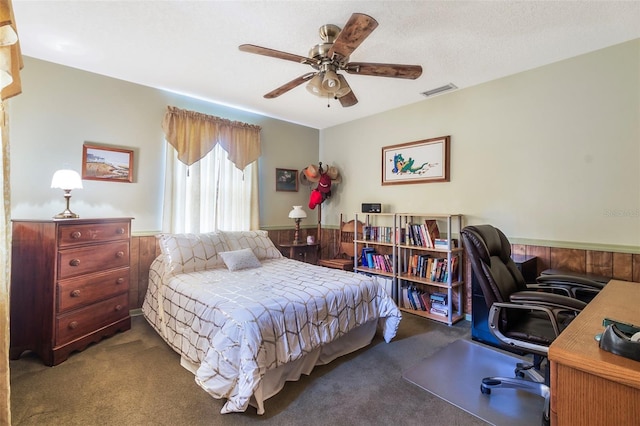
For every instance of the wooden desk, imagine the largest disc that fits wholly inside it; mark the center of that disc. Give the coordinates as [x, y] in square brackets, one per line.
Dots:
[302, 251]
[590, 386]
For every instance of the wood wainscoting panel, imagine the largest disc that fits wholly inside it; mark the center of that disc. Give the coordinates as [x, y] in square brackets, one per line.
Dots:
[599, 263]
[574, 260]
[148, 251]
[134, 273]
[635, 261]
[543, 255]
[622, 266]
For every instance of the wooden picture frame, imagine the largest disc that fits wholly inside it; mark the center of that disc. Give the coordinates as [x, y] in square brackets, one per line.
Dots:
[416, 162]
[106, 163]
[287, 180]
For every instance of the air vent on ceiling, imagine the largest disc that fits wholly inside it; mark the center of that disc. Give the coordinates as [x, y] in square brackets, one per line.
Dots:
[439, 90]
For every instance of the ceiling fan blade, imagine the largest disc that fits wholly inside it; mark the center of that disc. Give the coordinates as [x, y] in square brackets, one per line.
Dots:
[258, 50]
[384, 70]
[290, 85]
[357, 28]
[348, 100]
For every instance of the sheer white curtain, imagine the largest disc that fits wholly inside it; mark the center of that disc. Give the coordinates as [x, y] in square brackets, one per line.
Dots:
[210, 194]
[211, 174]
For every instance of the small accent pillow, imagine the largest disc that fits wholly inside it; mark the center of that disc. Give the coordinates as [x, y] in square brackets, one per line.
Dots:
[258, 241]
[240, 259]
[193, 252]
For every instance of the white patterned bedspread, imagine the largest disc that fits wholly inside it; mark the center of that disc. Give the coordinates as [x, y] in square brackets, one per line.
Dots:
[237, 325]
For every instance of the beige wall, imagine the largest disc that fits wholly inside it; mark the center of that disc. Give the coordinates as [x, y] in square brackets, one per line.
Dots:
[61, 108]
[552, 154]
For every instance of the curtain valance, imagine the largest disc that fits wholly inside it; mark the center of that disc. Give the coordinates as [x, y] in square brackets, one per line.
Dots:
[194, 135]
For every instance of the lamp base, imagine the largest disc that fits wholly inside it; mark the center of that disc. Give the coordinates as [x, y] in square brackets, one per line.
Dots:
[67, 214]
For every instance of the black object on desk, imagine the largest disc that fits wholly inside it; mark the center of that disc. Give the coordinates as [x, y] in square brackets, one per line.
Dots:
[480, 332]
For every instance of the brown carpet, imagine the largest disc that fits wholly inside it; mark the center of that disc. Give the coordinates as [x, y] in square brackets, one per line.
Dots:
[134, 378]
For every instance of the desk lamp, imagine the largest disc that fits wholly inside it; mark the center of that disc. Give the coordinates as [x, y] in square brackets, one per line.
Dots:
[66, 180]
[297, 214]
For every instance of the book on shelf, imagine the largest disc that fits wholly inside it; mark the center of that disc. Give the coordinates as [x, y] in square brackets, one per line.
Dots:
[432, 231]
[438, 311]
[405, 297]
[412, 302]
[381, 234]
[436, 297]
[364, 257]
[443, 243]
[415, 298]
[425, 300]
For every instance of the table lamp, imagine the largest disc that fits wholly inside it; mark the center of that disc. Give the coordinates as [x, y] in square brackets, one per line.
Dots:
[66, 180]
[297, 214]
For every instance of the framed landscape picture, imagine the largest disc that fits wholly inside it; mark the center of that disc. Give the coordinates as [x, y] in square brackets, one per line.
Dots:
[286, 180]
[416, 162]
[106, 163]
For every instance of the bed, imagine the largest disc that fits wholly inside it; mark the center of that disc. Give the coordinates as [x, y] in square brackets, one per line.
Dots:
[244, 319]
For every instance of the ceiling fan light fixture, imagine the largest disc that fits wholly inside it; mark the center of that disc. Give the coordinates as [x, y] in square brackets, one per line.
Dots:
[330, 82]
[315, 85]
[344, 87]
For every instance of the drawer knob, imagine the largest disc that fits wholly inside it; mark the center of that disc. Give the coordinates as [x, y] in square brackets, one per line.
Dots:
[120, 280]
[74, 262]
[73, 325]
[76, 234]
[120, 231]
[120, 254]
[118, 307]
[75, 293]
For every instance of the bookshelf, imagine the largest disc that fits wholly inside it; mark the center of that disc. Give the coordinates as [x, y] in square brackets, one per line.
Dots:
[377, 235]
[430, 267]
[424, 261]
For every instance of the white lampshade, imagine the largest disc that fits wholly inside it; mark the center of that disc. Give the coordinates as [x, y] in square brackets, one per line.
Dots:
[66, 179]
[297, 213]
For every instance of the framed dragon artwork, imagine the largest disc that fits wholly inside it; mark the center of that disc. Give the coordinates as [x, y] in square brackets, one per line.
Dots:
[416, 162]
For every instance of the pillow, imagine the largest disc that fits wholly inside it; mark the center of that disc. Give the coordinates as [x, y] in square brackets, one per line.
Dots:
[258, 241]
[193, 252]
[240, 259]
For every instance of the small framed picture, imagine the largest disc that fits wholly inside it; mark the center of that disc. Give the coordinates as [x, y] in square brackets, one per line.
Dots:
[106, 163]
[286, 180]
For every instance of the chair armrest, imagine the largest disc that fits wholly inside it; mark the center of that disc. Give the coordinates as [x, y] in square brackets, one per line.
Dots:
[549, 300]
[570, 280]
[577, 287]
[494, 326]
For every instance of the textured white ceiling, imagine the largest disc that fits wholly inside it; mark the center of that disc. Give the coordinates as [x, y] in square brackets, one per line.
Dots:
[191, 47]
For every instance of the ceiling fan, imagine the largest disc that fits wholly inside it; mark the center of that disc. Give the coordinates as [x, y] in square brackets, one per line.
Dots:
[331, 56]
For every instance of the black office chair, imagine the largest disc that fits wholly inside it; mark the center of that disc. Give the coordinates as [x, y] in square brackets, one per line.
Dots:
[524, 318]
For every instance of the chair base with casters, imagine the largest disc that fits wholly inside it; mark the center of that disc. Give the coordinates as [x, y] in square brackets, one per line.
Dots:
[539, 388]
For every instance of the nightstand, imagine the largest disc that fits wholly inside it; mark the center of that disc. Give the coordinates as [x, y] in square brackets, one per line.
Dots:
[528, 266]
[303, 252]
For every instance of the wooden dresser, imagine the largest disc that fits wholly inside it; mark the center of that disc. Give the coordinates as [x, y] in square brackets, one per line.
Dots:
[69, 284]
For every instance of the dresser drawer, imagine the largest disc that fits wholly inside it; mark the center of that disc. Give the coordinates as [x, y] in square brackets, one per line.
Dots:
[84, 260]
[84, 290]
[89, 319]
[74, 234]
